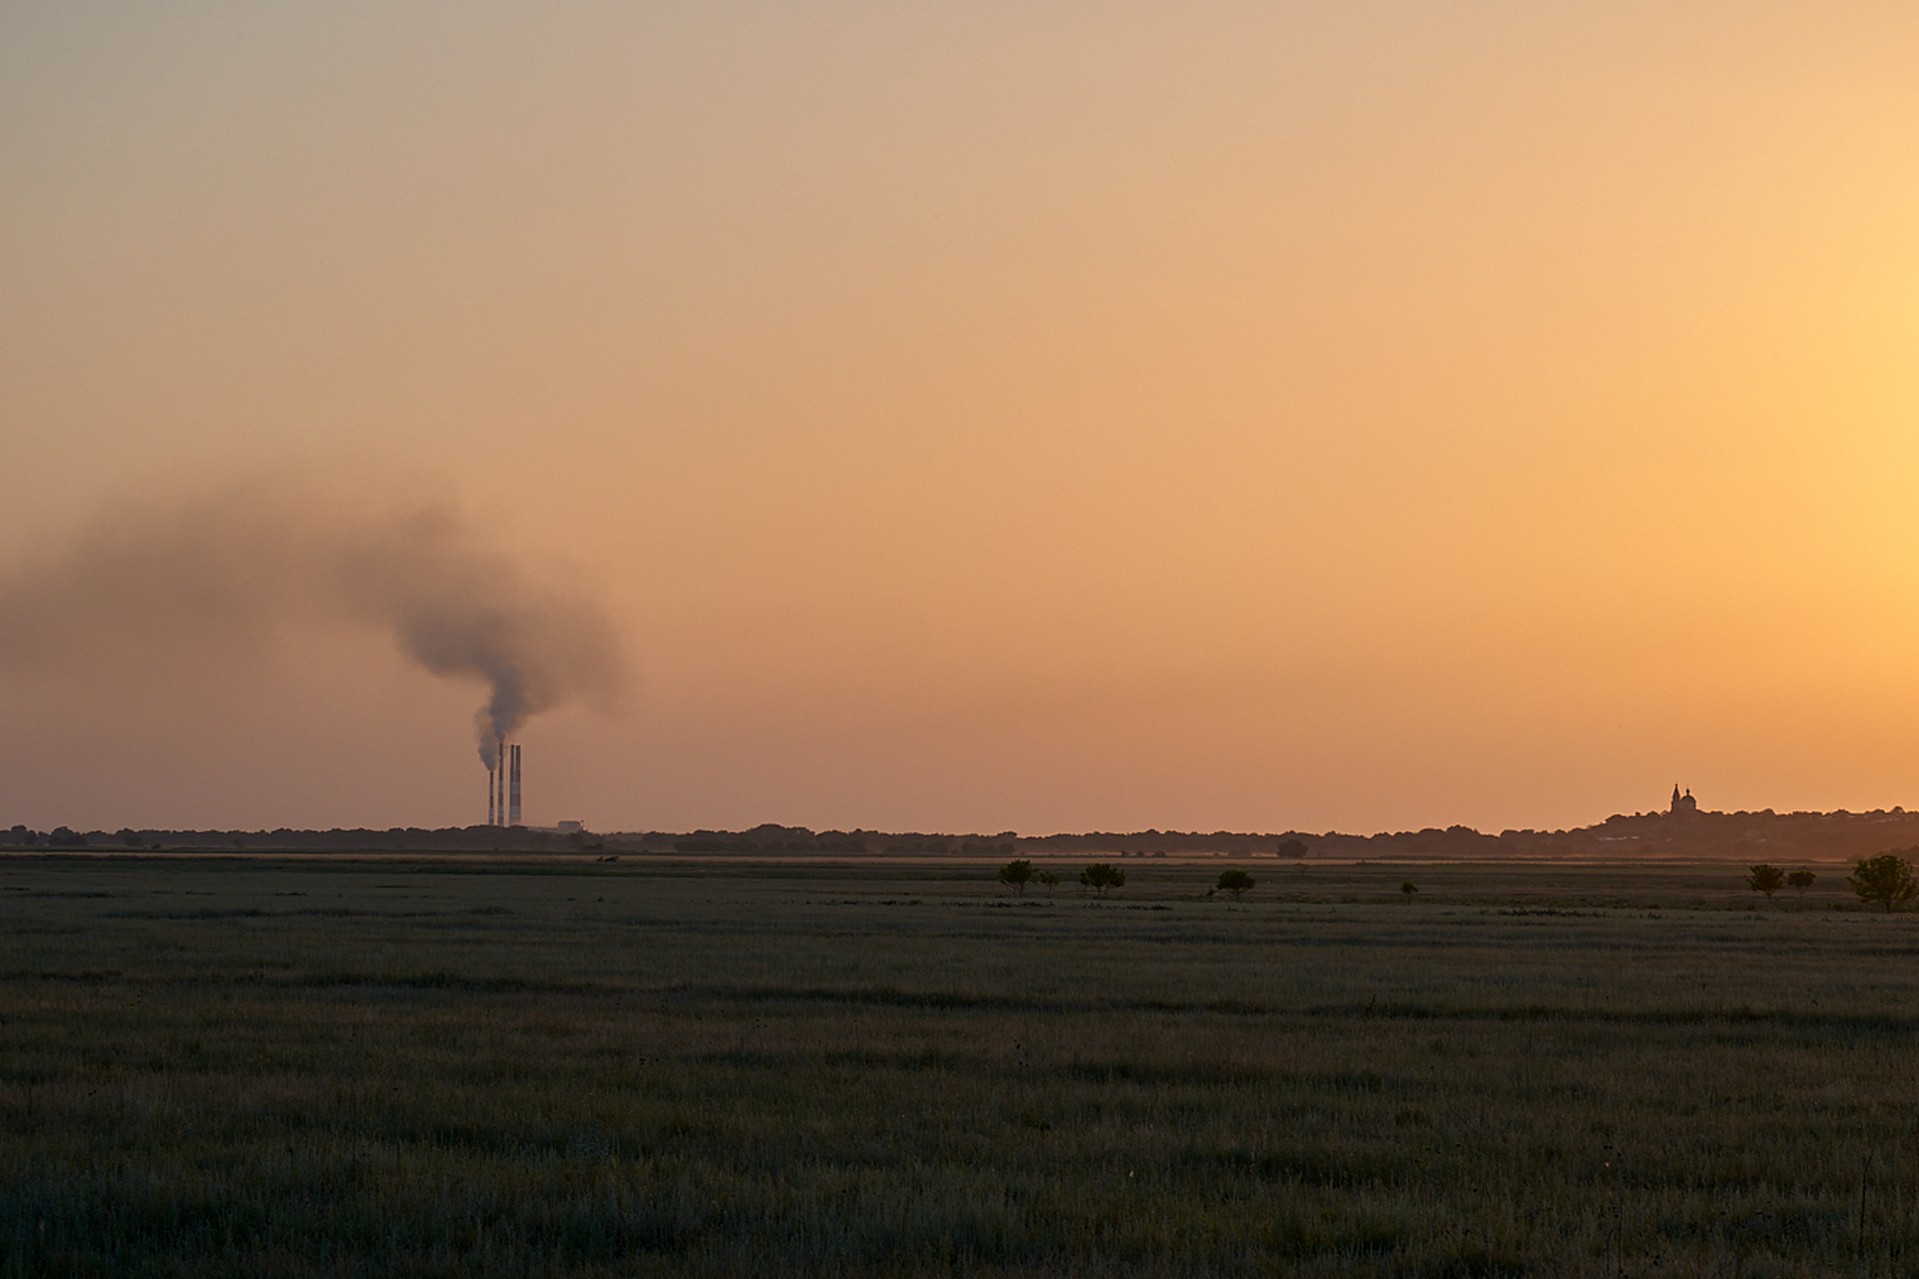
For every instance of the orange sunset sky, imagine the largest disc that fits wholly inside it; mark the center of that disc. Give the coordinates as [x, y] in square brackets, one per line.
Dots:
[986, 416]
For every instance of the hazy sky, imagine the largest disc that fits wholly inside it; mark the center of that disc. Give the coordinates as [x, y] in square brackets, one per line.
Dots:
[984, 416]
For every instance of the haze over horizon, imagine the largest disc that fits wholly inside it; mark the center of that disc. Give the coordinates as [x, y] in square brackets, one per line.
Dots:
[969, 418]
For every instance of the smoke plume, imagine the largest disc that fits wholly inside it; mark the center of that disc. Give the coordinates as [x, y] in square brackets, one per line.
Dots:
[239, 564]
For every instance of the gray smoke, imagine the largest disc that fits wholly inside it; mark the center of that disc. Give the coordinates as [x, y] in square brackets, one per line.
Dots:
[237, 565]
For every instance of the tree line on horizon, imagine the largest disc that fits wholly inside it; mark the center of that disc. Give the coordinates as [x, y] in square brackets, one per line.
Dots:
[1838, 835]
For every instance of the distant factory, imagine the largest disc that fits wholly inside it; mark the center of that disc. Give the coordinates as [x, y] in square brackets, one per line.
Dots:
[503, 787]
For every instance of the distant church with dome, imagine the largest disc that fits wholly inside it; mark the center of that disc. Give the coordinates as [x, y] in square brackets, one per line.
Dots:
[1683, 804]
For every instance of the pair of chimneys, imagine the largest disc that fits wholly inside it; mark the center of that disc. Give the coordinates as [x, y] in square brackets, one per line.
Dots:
[503, 787]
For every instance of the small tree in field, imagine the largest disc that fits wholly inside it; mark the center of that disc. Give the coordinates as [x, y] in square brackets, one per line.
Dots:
[1409, 888]
[1886, 879]
[1801, 880]
[1101, 876]
[1049, 880]
[1235, 882]
[1766, 879]
[1017, 875]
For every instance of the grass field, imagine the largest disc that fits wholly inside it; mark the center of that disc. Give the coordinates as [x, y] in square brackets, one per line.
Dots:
[294, 1067]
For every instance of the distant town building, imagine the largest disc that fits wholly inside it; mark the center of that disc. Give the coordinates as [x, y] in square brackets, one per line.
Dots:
[570, 827]
[1683, 803]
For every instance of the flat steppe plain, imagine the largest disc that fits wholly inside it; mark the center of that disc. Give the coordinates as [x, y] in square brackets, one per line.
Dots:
[549, 1067]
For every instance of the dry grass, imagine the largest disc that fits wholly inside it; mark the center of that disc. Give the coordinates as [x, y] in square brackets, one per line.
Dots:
[277, 1068]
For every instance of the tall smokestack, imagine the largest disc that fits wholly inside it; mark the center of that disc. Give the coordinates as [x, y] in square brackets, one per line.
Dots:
[513, 795]
[500, 755]
[489, 797]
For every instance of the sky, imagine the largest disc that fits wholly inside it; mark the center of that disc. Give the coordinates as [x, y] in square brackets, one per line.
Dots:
[967, 417]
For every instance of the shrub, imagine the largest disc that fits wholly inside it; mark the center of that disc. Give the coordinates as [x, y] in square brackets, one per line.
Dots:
[1017, 874]
[1235, 882]
[1801, 880]
[1408, 887]
[1886, 879]
[1049, 880]
[1766, 879]
[1101, 876]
